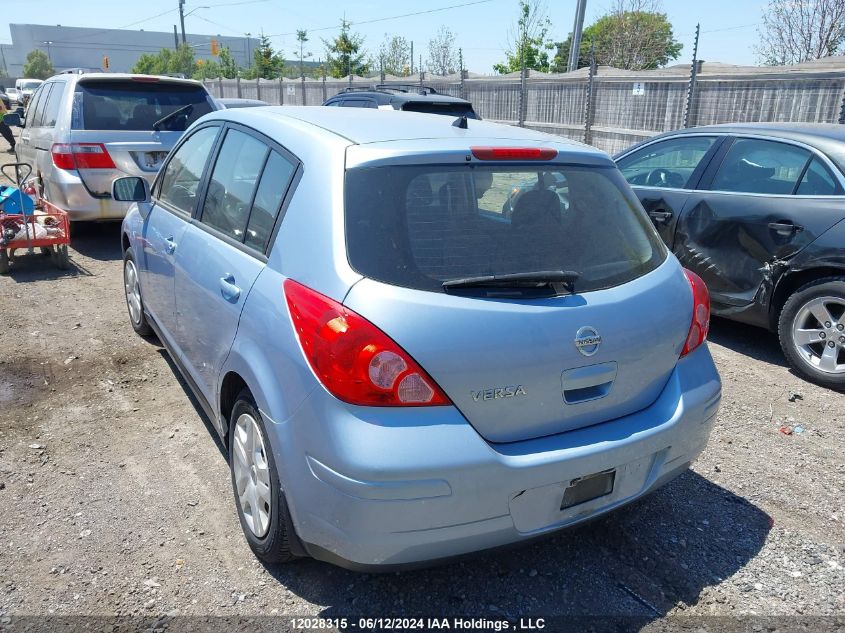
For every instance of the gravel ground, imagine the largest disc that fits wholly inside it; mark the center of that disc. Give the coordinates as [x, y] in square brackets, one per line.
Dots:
[116, 499]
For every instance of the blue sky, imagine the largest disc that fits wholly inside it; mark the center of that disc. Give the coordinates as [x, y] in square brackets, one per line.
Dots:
[728, 26]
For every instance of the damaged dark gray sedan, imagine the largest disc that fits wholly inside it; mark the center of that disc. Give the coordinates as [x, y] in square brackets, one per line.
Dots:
[757, 211]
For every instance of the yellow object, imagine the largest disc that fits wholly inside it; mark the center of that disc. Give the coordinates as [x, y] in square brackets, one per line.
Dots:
[214, 49]
[106, 62]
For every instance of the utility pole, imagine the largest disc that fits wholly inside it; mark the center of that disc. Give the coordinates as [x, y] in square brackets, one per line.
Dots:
[182, 19]
[175, 38]
[412, 59]
[577, 29]
[693, 75]
[49, 54]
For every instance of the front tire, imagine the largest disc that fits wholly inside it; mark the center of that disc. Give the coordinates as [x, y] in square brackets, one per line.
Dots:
[811, 329]
[132, 292]
[262, 509]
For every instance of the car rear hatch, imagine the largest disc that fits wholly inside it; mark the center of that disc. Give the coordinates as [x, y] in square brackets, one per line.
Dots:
[471, 268]
[119, 126]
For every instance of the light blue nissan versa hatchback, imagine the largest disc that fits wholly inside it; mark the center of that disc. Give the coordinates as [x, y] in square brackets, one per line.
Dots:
[418, 336]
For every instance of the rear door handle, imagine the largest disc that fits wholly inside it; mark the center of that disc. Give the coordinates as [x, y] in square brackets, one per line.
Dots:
[785, 228]
[169, 246]
[659, 215]
[228, 288]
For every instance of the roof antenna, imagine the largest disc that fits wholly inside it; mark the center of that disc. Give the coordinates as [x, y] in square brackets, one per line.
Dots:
[460, 122]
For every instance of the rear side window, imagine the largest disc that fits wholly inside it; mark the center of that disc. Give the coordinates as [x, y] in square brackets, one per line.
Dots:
[137, 105]
[666, 164]
[51, 110]
[268, 200]
[818, 181]
[758, 166]
[420, 226]
[38, 118]
[232, 184]
[359, 103]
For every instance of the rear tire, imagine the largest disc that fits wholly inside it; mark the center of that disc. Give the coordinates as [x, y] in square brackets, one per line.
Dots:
[812, 318]
[4, 261]
[266, 524]
[132, 293]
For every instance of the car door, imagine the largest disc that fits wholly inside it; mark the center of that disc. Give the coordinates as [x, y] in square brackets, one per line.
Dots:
[764, 201]
[26, 148]
[174, 202]
[664, 172]
[223, 251]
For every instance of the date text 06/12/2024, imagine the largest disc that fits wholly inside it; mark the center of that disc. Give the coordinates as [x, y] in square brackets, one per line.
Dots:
[423, 624]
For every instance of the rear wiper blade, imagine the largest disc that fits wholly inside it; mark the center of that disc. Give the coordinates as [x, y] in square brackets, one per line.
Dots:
[186, 108]
[538, 279]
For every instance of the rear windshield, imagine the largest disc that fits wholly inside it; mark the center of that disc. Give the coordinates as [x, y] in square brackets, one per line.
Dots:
[420, 226]
[433, 107]
[135, 105]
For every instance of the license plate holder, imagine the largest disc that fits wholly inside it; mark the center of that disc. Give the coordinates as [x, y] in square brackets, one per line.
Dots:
[587, 488]
[153, 160]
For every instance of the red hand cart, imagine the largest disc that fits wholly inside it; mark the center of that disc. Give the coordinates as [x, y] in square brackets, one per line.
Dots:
[46, 228]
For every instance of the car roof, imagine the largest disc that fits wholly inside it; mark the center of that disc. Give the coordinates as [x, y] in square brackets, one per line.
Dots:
[364, 126]
[404, 94]
[94, 77]
[828, 138]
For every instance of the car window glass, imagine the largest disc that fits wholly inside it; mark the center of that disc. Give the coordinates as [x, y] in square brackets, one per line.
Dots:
[51, 110]
[233, 181]
[268, 199]
[33, 106]
[181, 178]
[758, 166]
[666, 164]
[358, 103]
[817, 181]
[333, 103]
[38, 118]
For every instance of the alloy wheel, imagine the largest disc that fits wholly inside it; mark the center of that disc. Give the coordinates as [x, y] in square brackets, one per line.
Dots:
[818, 334]
[252, 474]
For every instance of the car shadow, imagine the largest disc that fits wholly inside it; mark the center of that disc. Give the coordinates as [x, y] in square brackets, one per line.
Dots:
[97, 240]
[639, 562]
[189, 393]
[749, 340]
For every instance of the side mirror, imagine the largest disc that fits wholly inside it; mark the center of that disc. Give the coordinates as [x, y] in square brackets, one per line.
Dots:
[12, 119]
[130, 189]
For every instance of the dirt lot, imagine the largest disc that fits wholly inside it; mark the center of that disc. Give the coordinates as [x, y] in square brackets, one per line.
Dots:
[115, 497]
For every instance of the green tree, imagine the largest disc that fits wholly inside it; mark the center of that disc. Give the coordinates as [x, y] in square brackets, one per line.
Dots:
[634, 36]
[224, 66]
[38, 65]
[168, 62]
[395, 54]
[344, 54]
[302, 38]
[442, 57]
[528, 40]
[266, 62]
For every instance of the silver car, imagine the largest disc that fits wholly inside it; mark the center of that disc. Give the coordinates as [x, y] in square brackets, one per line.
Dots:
[83, 131]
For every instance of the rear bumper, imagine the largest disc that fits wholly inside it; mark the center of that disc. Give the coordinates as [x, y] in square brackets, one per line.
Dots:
[372, 487]
[66, 191]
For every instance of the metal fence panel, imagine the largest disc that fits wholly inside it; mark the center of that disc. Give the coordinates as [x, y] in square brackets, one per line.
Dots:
[627, 107]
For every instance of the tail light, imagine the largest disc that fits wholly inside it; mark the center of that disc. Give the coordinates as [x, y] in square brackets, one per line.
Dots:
[81, 156]
[700, 313]
[514, 153]
[353, 359]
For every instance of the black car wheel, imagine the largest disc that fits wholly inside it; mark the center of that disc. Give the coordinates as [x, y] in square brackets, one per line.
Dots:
[812, 331]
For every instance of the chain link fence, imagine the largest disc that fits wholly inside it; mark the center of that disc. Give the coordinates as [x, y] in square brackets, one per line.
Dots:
[611, 108]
